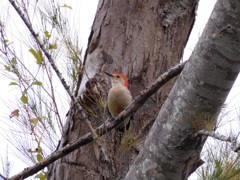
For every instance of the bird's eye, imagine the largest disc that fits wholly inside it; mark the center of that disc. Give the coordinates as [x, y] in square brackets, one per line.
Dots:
[118, 76]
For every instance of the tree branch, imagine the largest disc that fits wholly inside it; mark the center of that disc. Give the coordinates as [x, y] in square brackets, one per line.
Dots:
[2, 177]
[233, 140]
[41, 45]
[104, 128]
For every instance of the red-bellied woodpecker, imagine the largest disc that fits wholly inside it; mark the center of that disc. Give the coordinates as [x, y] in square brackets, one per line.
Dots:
[119, 97]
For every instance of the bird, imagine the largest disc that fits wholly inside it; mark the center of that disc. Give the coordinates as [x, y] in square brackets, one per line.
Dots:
[119, 97]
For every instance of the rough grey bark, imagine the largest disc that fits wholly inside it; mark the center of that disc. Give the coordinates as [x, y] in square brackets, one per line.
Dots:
[141, 39]
[171, 150]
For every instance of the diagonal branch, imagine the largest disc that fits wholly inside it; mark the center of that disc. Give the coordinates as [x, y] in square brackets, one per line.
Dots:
[104, 128]
[2, 177]
[41, 45]
[234, 145]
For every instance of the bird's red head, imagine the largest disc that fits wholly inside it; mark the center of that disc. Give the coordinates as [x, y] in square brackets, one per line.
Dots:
[118, 79]
[124, 77]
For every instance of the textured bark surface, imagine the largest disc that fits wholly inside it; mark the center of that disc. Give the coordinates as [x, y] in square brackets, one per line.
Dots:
[141, 39]
[195, 100]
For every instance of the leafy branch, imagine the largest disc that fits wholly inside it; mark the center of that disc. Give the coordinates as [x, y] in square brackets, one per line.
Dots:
[41, 45]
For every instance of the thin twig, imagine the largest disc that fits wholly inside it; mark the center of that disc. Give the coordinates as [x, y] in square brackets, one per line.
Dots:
[104, 128]
[234, 145]
[95, 137]
[59, 121]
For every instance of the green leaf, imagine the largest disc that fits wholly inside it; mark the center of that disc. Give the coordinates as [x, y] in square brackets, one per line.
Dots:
[66, 6]
[34, 121]
[38, 83]
[25, 92]
[37, 55]
[14, 61]
[39, 157]
[7, 68]
[53, 46]
[13, 83]
[47, 34]
[41, 176]
[24, 99]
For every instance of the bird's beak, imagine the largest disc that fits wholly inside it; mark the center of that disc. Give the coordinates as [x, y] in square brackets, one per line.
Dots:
[109, 74]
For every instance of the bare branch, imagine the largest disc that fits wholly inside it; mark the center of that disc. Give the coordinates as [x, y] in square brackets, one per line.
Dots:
[234, 145]
[106, 127]
[2, 177]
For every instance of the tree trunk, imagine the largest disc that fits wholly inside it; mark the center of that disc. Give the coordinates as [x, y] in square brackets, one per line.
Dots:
[171, 150]
[141, 39]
